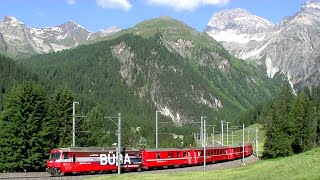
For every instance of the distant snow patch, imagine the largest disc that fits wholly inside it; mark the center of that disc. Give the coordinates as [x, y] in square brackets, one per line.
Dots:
[271, 71]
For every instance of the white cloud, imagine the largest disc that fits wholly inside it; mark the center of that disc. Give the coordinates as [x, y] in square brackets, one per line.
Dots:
[186, 5]
[71, 2]
[115, 4]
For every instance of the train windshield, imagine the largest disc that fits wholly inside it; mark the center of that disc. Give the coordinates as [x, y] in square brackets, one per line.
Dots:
[55, 155]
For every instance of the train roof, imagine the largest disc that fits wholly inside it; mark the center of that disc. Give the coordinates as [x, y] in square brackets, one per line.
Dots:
[93, 149]
[128, 149]
[168, 149]
[195, 148]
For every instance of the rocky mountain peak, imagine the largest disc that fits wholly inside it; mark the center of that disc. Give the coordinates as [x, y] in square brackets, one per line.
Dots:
[290, 48]
[71, 25]
[311, 5]
[309, 15]
[235, 18]
[237, 25]
[11, 20]
[18, 40]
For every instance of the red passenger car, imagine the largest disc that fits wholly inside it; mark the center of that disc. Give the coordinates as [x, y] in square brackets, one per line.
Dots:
[92, 160]
[168, 157]
[161, 158]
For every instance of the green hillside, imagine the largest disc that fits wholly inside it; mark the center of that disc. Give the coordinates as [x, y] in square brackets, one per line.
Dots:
[240, 85]
[12, 73]
[170, 67]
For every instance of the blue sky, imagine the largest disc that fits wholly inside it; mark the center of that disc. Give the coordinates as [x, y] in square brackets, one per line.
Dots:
[100, 14]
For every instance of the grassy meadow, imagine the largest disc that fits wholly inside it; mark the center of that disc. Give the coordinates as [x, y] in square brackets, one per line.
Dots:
[301, 166]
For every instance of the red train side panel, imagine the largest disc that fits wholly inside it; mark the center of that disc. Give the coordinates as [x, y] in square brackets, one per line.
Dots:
[84, 160]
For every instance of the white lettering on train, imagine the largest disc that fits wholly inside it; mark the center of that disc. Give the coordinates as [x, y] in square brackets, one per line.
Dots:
[107, 159]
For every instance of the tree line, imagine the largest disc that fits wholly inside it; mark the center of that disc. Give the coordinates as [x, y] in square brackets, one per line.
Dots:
[33, 122]
[291, 121]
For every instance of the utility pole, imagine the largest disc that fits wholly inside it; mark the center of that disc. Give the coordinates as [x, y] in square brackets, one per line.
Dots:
[213, 136]
[232, 136]
[156, 129]
[74, 123]
[201, 132]
[227, 133]
[220, 138]
[119, 143]
[222, 133]
[257, 145]
[203, 120]
[118, 153]
[243, 144]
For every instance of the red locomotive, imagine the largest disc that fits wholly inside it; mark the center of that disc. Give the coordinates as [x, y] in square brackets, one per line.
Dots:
[99, 160]
[73, 160]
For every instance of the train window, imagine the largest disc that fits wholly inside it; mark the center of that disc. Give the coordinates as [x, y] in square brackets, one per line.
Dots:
[158, 155]
[178, 154]
[184, 154]
[55, 155]
[169, 155]
[65, 155]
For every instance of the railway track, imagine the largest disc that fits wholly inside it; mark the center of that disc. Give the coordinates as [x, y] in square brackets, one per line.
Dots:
[46, 176]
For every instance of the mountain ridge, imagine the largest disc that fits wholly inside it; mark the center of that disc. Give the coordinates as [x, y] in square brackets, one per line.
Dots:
[290, 47]
[23, 41]
[179, 71]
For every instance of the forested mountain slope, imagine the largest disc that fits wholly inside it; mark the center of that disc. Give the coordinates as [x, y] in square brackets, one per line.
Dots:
[12, 73]
[172, 68]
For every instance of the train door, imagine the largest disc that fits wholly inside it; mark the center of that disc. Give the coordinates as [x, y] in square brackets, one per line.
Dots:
[74, 162]
[189, 158]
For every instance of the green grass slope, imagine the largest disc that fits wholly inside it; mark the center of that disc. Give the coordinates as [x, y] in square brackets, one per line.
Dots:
[302, 166]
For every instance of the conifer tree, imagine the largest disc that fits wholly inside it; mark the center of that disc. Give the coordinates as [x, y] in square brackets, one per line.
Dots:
[58, 128]
[315, 98]
[304, 123]
[21, 143]
[280, 128]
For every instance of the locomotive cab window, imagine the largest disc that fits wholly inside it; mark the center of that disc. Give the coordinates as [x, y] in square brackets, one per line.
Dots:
[55, 155]
[65, 155]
